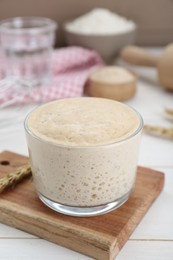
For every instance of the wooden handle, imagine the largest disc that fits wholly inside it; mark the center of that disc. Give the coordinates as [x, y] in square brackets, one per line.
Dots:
[137, 56]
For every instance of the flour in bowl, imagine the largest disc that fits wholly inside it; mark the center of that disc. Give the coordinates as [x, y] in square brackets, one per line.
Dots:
[100, 21]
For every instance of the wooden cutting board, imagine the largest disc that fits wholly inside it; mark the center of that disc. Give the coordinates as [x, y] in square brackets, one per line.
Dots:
[100, 237]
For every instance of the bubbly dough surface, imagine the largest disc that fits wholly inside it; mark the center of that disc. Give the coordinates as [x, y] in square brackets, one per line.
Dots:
[83, 121]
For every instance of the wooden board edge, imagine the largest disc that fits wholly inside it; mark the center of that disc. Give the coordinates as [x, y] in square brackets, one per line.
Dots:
[103, 253]
[62, 236]
[139, 214]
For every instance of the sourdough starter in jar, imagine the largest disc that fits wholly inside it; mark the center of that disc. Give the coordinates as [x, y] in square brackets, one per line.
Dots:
[84, 151]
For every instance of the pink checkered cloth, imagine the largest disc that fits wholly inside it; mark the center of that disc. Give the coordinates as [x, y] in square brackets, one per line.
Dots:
[70, 66]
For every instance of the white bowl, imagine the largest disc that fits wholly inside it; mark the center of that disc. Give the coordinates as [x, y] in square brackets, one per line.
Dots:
[108, 45]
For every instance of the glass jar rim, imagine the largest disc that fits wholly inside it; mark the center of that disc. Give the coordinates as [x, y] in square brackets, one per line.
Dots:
[90, 146]
[31, 25]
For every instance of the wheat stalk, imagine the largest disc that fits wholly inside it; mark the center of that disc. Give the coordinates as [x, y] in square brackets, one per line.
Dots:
[13, 178]
[159, 131]
[169, 111]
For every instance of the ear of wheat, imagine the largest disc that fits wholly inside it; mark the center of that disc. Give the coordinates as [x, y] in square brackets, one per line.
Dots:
[159, 131]
[13, 178]
[169, 111]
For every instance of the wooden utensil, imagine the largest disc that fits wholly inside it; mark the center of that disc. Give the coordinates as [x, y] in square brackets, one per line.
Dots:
[112, 82]
[164, 63]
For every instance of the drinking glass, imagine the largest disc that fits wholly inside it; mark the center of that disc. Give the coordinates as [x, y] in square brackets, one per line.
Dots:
[26, 48]
[81, 180]
[26, 45]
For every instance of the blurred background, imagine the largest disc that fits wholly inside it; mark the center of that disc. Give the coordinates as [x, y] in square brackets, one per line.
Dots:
[71, 68]
[154, 18]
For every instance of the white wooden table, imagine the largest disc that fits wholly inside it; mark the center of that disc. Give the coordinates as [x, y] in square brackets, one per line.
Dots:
[153, 238]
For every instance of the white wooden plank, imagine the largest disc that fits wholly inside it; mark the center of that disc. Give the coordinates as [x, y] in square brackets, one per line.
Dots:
[9, 232]
[38, 249]
[35, 249]
[155, 152]
[158, 222]
[147, 250]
